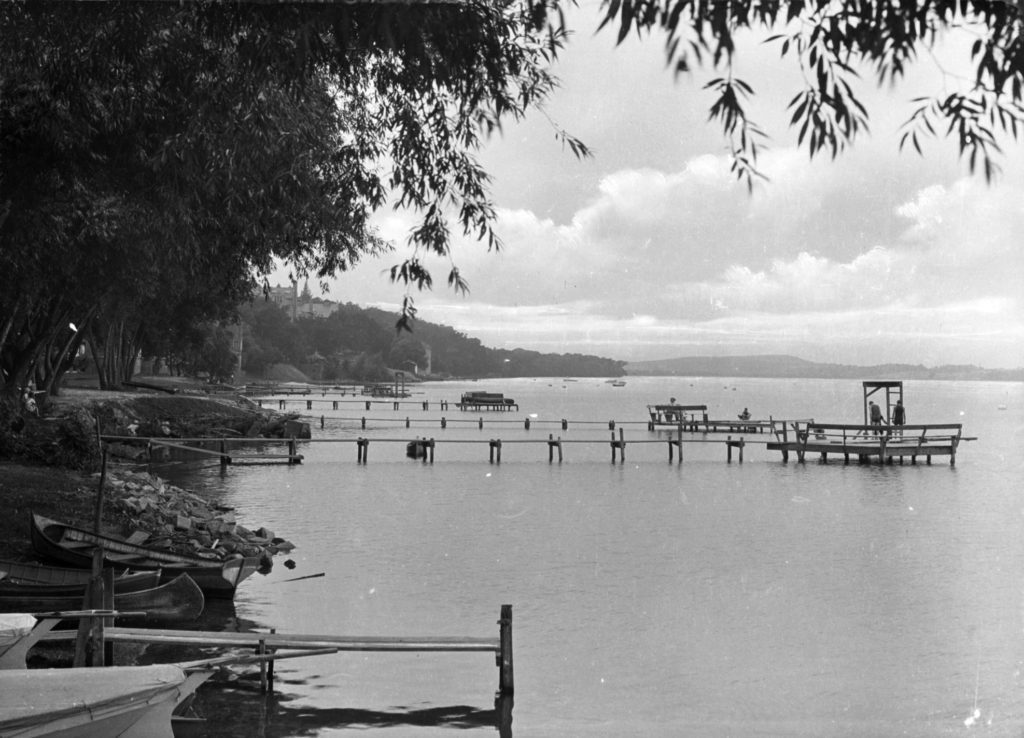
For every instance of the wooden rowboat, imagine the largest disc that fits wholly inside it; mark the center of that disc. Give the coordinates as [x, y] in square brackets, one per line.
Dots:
[124, 701]
[16, 576]
[73, 546]
[176, 601]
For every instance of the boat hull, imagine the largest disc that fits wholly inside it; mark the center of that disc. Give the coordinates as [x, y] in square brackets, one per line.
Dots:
[53, 581]
[179, 600]
[73, 546]
[123, 701]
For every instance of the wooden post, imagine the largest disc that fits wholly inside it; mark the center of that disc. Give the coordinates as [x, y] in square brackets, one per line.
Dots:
[270, 667]
[395, 407]
[321, 422]
[481, 423]
[431, 447]
[444, 422]
[224, 460]
[107, 647]
[97, 520]
[363, 425]
[406, 421]
[526, 424]
[495, 445]
[261, 650]
[506, 680]
[565, 424]
[552, 445]
[728, 449]
[89, 641]
[367, 404]
[611, 425]
[309, 404]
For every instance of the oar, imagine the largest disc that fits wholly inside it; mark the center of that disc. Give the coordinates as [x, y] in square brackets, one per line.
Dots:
[308, 576]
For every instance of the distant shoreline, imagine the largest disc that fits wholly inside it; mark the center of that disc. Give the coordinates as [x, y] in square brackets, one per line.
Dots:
[791, 367]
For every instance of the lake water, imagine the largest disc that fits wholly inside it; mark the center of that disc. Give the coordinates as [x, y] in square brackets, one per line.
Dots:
[650, 599]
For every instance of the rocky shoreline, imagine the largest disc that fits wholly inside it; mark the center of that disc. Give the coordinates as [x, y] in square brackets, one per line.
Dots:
[166, 517]
[51, 467]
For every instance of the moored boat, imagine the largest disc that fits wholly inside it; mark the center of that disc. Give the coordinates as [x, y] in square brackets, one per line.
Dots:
[178, 600]
[124, 701]
[74, 547]
[55, 580]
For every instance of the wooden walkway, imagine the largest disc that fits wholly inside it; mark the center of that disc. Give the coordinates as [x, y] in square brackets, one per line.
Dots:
[309, 644]
[238, 455]
[865, 442]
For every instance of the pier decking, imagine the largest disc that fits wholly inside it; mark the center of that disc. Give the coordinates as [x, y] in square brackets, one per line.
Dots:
[865, 442]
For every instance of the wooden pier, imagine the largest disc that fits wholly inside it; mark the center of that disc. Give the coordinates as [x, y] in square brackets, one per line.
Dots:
[279, 645]
[230, 450]
[694, 419]
[865, 442]
[486, 401]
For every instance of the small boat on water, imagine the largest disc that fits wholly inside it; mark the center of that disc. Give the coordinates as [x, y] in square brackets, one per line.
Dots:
[88, 702]
[176, 601]
[73, 546]
[15, 576]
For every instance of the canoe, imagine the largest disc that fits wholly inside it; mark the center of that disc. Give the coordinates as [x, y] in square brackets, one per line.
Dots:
[73, 546]
[175, 601]
[124, 701]
[17, 576]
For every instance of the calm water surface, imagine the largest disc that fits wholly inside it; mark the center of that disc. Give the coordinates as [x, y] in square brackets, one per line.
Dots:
[650, 599]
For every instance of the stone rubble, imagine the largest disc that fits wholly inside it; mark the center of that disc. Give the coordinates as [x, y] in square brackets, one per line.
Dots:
[168, 517]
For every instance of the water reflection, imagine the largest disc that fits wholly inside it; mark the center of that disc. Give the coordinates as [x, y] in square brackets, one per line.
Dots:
[223, 710]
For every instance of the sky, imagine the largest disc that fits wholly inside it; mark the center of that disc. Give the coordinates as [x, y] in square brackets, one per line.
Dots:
[651, 248]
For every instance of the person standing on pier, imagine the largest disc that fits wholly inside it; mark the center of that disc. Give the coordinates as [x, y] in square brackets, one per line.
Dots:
[899, 417]
[876, 417]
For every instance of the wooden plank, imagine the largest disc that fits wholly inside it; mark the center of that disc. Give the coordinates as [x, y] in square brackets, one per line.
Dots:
[292, 640]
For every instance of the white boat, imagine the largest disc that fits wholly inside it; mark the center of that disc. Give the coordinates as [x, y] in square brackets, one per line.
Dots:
[94, 702]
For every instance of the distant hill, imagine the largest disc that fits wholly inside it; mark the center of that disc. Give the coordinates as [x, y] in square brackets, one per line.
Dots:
[779, 365]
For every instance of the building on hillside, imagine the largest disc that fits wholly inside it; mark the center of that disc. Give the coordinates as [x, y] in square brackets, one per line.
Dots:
[316, 308]
[301, 305]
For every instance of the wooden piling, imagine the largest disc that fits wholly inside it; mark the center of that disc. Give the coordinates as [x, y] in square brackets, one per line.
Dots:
[620, 445]
[506, 678]
[495, 445]
[552, 445]
[261, 651]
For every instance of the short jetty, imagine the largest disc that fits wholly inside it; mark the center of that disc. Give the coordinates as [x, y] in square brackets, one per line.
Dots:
[486, 401]
[865, 442]
[278, 645]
